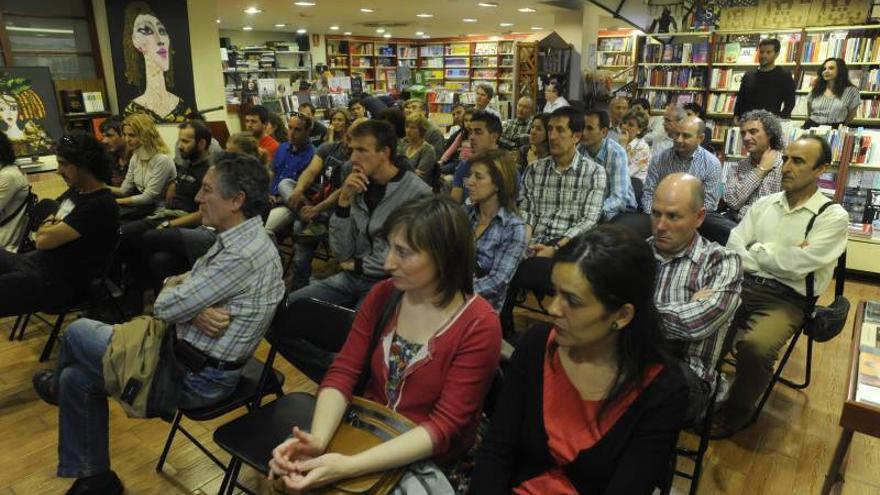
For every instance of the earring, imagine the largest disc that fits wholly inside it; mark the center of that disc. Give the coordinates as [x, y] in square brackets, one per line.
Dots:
[614, 326]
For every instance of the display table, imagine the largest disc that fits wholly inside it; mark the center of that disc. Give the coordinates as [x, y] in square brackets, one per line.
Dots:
[861, 409]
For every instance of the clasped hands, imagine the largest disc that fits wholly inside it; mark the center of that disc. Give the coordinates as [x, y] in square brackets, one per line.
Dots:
[299, 464]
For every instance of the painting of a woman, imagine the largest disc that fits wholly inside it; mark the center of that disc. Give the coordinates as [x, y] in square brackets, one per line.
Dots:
[20, 108]
[147, 46]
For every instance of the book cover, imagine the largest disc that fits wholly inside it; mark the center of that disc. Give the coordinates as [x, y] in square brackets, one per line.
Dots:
[731, 53]
[93, 101]
[747, 55]
[869, 369]
[736, 80]
[864, 230]
[72, 101]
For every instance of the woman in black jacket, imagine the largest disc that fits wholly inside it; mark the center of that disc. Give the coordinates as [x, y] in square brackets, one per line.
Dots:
[590, 404]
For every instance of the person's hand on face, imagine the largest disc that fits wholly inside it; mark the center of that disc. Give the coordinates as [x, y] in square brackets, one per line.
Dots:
[355, 183]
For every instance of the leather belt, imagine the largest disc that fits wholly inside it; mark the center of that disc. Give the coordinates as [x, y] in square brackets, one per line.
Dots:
[224, 365]
[775, 285]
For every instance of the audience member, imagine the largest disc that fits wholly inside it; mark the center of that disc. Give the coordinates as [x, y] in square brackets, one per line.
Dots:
[698, 283]
[458, 110]
[484, 130]
[778, 259]
[638, 151]
[660, 137]
[561, 197]
[111, 136]
[760, 173]
[834, 99]
[499, 232]
[539, 146]
[596, 145]
[553, 98]
[150, 169]
[693, 109]
[444, 344]
[371, 192]
[289, 162]
[434, 136]
[357, 110]
[340, 119]
[14, 198]
[417, 151]
[516, 130]
[219, 311]
[72, 244]
[592, 404]
[768, 87]
[617, 108]
[245, 144]
[397, 119]
[256, 119]
[275, 127]
[214, 147]
[459, 145]
[686, 156]
[319, 130]
[485, 93]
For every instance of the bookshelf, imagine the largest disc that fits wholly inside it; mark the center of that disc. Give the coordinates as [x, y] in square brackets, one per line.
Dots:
[615, 52]
[672, 65]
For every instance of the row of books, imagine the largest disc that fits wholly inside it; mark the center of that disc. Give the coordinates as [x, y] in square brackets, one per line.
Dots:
[818, 47]
[869, 109]
[658, 99]
[726, 78]
[734, 53]
[744, 48]
[615, 59]
[696, 53]
[464, 49]
[624, 43]
[431, 51]
[684, 77]
[721, 103]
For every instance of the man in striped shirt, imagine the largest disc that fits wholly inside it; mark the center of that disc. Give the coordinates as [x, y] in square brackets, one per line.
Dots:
[561, 197]
[698, 282]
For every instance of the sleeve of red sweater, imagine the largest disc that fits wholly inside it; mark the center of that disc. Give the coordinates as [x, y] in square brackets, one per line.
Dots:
[346, 369]
[468, 377]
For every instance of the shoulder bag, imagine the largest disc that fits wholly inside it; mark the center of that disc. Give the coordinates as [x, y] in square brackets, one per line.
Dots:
[823, 323]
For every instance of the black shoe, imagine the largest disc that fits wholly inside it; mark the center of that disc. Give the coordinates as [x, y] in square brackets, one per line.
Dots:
[46, 386]
[103, 484]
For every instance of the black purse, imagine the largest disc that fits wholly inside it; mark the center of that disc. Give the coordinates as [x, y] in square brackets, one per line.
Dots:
[823, 323]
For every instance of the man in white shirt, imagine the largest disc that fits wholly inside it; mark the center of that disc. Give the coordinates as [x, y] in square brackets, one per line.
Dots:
[554, 99]
[777, 257]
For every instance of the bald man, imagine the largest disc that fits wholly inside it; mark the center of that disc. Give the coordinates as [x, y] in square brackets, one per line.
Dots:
[516, 130]
[688, 156]
[698, 282]
[617, 108]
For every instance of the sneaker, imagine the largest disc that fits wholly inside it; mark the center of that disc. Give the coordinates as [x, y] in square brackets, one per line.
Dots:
[103, 484]
[46, 386]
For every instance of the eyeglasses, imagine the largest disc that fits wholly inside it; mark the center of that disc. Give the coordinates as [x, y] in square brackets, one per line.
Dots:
[67, 140]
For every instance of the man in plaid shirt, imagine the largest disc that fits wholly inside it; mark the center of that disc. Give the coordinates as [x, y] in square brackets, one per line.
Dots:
[561, 196]
[698, 282]
[516, 130]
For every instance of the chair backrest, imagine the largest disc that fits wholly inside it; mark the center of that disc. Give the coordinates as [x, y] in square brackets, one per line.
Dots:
[25, 244]
[323, 324]
[638, 188]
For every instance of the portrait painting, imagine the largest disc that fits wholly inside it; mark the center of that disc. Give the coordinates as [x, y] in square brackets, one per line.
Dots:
[151, 58]
[29, 110]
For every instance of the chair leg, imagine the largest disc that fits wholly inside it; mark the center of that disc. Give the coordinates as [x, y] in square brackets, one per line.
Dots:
[227, 473]
[807, 370]
[776, 375]
[174, 426]
[15, 327]
[23, 327]
[50, 343]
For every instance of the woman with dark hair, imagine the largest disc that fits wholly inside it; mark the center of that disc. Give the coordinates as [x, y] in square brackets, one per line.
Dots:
[74, 243]
[397, 120]
[340, 119]
[434, 361]
[277, 128]
[834, 99]
[14, 193]
[590, 404]
[539, 146]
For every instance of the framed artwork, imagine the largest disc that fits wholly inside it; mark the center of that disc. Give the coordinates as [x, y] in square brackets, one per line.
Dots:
[29, 110]
[151, 58]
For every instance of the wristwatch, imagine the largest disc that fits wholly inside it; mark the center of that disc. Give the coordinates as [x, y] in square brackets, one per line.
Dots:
[165, 224]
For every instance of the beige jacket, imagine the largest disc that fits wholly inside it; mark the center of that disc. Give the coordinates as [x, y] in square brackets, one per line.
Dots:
[133, 354]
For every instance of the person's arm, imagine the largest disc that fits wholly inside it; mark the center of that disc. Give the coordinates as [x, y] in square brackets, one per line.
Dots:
[651, 183]
[741, 237]
[343, 229]
[618, 183]
[435, 138]
[504, 263]
[695, 320]
[825, 243]
[526, 201]
[426, 161]
[457, 192]
[789, 89]
[453, 147]
[655, 437]
[204, 288]
[712, 181]
[161, 172]
[193, 219]
[591, 209]
[53, 233]
[853, 101]
[170, 191]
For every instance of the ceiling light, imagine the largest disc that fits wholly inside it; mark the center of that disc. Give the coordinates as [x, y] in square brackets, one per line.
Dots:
[252, 10]
[487, 4]
[305, 4]
[367, 10]
[419, 33]
[380, 30]
[468, 19]
[536, 28]
[301, 31]
[386, 35]
[425, 36]
[218, 21]
[347, 33]
[526, 10]
[505, 24]
[334, 28]
[424, 15]
[280, 25]
[247, 28]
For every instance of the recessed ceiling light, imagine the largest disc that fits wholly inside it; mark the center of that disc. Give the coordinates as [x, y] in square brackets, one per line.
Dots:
[425, 36]
[380, 30]
[419, 33]
[334, 28]
[526, 10]
[218, 21]
[536, 28]
[252, 10]
[468, 19]
[247, 28]
[424, 15]
[386, 35]
[367, 10]
[347, 33]
[301, 31]
[487, 4]
[505, 24]
[280, 25]
[305, 4]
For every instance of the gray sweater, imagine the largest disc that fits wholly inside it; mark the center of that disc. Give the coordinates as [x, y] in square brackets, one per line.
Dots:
[355, 233]
[147, 177]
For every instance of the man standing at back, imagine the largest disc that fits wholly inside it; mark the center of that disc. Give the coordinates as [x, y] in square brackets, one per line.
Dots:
[255, 120]
[768, 87]
[778, 256]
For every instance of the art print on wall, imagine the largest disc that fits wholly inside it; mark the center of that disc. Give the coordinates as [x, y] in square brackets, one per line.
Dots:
[151, 58]
[29, 110]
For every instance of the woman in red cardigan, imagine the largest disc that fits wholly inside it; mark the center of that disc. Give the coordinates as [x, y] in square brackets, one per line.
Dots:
[434, 362]
[591, 404]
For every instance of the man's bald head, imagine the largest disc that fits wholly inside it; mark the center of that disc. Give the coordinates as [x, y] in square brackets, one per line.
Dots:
[677, 212]
[688, 134]
[685, 188]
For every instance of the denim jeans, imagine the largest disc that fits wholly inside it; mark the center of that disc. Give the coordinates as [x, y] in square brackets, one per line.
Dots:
[345, 289]
[83, 424]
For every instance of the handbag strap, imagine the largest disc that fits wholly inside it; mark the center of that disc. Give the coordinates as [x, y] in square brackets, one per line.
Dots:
[27, 200]
[390, 306]
[811, 278]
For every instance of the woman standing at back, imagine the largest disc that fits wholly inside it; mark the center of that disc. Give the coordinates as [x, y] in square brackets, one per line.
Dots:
[834, 100]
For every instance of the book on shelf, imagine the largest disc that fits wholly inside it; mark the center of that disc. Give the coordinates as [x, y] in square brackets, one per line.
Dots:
[683, 77]
[488, 48]
[658, 99]
[748, 55]
[869, 109]
[731, 53]
[677, 53]
[93, 101]
[406, 52]
[623, 43]
[615, 59]
[862, 230]
[727, 78]
[743, 48]
[733, 144]
[458, 49]
[721, 103]
[431, 50]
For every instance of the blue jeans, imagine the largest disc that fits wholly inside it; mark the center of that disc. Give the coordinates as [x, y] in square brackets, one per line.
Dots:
[345, 289]
[83, 423]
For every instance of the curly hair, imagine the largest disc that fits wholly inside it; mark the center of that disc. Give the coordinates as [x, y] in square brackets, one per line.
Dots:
[639, 115]
[771, 123]
[237, 173]
[134, 60]
[145, 128]
[84, 151]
